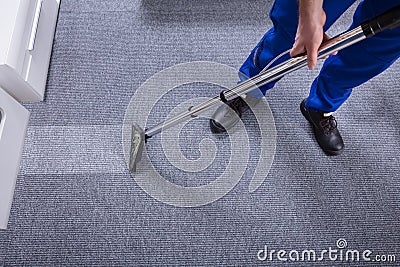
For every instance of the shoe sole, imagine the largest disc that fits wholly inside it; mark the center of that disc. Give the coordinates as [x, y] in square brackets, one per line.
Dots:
[305, 114]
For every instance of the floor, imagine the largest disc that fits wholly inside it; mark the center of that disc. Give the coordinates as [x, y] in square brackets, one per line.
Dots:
[77, 204]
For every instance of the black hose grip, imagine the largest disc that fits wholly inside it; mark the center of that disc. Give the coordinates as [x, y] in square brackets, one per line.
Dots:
[388, 20]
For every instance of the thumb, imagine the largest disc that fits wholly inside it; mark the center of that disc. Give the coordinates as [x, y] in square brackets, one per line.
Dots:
[297, 50]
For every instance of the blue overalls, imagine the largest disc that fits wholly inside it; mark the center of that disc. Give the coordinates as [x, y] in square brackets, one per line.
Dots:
[351, 67]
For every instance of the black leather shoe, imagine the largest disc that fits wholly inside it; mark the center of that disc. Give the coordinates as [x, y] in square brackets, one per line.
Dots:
[325, 130]
[229, 114]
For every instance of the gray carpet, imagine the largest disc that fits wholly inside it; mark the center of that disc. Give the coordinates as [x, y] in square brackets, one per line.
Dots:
[76, 203]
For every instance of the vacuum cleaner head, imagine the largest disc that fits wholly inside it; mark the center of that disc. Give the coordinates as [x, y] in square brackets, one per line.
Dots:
[137, 143]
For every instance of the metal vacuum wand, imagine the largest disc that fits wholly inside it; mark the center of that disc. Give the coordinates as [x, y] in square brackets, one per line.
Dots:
[339, 42]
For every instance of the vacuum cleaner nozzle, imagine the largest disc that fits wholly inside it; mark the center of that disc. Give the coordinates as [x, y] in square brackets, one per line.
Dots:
[137, 143]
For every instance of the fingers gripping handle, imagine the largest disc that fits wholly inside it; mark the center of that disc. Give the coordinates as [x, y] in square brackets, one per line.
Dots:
[387, 20]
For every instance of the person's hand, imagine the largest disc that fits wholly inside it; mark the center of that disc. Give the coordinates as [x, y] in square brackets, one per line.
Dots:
[310, 33]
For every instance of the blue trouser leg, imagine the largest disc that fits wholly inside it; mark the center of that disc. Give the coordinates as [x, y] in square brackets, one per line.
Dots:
[284, 16]
[356, 64]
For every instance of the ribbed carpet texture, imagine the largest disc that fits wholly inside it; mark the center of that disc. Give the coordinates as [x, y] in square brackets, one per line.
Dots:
[77, 204]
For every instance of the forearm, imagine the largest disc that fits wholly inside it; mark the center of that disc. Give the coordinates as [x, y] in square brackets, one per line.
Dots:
[311, 11]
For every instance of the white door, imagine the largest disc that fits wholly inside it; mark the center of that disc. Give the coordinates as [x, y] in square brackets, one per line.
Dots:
[13, 124]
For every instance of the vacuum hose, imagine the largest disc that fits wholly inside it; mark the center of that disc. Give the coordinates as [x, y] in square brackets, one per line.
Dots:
[387, 20]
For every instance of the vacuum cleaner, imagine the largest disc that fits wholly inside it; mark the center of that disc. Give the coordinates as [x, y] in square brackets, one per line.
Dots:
[387, 20]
